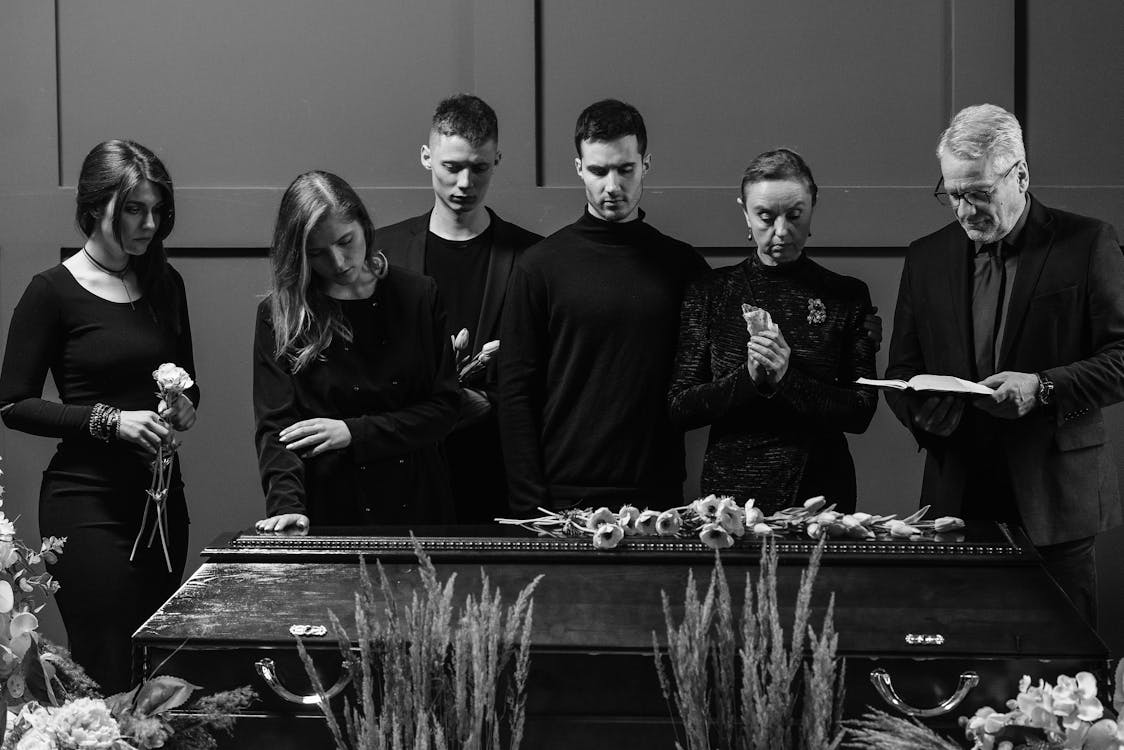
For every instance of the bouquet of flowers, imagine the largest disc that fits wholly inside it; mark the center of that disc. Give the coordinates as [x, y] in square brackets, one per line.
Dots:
[1064, 715]
[60, 705]
[138, 719]
[1067, 715]
[171, 382]
[28, 665]
[469, 365]
[718, 521]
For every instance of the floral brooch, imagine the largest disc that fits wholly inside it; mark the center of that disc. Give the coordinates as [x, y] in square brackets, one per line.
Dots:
[817, 311]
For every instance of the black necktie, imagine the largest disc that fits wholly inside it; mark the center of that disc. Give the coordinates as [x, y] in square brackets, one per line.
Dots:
[987, 305]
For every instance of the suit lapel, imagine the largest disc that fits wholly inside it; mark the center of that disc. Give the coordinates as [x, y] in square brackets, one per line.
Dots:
[1038, 237]
[415, 252]
[499, 268]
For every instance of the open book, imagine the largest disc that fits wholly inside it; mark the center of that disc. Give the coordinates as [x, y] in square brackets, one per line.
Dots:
[936, 383]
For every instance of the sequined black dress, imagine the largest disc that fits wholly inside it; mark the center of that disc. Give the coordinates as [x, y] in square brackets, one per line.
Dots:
[784, 446]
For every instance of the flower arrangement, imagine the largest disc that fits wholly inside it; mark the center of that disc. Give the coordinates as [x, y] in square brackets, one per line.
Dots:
[28, 666]
[1067, 715]
[718, 521]
[171, 382]
[469, 365]
[136, 720]
[429, 673]
[789, 695]
[59, 707]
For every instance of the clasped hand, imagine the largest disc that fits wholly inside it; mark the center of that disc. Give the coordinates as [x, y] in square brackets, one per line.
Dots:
[311, 437]
[768, 356]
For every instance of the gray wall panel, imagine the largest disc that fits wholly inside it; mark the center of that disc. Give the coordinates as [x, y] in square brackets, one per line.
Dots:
[240, 97]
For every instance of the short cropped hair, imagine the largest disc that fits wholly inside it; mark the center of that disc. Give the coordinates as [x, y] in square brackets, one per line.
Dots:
[779, 164]
[466, 116]
[983, 130]
[608, 120]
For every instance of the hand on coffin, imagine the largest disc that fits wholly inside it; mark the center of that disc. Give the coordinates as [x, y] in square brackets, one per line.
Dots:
[293, 524]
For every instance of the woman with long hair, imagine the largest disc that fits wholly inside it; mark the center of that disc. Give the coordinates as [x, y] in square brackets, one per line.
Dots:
[354, 386]
[101, 322]
[769, 351]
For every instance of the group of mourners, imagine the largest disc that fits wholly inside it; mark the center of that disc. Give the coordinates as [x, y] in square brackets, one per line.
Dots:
[614, 340]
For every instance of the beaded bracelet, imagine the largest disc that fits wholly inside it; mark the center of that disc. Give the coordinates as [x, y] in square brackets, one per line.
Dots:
[104, 422]
[94, 423]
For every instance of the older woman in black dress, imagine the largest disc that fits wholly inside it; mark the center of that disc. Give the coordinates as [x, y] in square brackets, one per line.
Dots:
[354, 386]
[101, 322]
[777, 401]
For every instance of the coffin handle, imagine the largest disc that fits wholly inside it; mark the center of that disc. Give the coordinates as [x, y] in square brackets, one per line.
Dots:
[885, 687]
[268, 672]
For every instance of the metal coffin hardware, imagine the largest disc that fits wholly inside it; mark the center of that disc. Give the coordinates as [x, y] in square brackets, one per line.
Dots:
[924, 639]
[885, 687]
[268, 672]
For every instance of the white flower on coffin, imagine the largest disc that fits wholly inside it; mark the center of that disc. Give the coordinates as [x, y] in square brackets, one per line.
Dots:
[668, 523]
[599, 518]
[627, 517]
[607, 536]
[715, 537]
[646, 523]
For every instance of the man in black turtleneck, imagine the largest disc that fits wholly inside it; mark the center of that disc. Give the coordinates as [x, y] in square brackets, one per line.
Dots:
[589, 334]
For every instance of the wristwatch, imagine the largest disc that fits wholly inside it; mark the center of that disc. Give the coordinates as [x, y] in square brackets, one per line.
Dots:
[1045, 389]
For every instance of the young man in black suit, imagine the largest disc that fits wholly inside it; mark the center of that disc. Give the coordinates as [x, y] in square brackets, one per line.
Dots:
[469, 251]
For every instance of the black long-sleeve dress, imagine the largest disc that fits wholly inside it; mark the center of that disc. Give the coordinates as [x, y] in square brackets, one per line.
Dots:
[785, 446]
[93, 492]
[393, 385]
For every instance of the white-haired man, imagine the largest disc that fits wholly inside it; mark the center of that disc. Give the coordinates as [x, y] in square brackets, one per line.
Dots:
[1029, 300]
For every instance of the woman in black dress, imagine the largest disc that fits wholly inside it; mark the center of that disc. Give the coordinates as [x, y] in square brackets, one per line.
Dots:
[101, 322]
[354, 386]
[777, 401]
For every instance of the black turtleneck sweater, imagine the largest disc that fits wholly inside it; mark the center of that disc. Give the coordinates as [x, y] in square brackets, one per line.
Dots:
[784, 446]
[589, 330]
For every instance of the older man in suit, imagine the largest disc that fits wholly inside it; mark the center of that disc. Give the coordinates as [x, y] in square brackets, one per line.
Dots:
[1029, 300]
[469, 251]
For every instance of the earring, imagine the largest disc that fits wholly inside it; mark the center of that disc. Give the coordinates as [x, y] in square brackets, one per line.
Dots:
[380, 266]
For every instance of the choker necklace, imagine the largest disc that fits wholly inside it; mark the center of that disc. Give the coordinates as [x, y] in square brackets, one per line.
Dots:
[119, 275]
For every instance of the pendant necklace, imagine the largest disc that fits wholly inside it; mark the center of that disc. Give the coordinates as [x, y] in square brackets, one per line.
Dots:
[119, 275]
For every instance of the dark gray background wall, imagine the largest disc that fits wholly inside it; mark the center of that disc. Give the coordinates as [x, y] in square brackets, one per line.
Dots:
[238, 98]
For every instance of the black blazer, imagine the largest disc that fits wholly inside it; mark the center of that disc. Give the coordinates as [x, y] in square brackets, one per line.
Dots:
[393, 385]
[1065, 319]
[404, 245]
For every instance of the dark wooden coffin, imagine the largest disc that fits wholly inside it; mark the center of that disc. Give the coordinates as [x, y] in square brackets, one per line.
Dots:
[933, 628]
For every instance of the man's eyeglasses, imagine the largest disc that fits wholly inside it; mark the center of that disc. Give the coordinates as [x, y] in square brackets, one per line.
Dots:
[977, 196]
